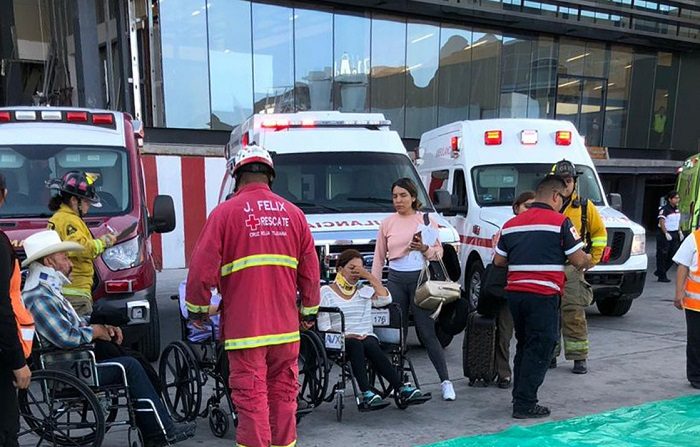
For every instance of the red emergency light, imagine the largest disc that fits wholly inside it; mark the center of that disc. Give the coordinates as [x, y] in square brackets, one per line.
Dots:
[4, 117]
[493, 137]
[103, 118]
[244, 139]
[454, 144]
[275, 124]
[563, 138]
[78, 117]
[308, 123]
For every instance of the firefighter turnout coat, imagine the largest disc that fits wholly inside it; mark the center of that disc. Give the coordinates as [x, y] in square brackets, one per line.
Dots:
[595, 236]
[258, 250]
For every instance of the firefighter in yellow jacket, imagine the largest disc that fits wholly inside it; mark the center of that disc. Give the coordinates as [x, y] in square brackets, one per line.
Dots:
[578, 294]
[72, 197]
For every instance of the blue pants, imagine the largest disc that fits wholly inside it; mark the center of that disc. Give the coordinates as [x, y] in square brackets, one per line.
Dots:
[535, 320]
[140, 387]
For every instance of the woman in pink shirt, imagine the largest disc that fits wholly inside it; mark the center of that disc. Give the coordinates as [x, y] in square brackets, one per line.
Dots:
[399, 241]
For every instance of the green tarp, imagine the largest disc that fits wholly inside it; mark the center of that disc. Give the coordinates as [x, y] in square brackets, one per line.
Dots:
[667, 423]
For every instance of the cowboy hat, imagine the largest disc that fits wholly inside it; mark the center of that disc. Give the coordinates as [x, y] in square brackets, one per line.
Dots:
[45, 243]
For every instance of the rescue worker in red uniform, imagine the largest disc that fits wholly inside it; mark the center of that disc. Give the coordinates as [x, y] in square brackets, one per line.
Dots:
[258, 250]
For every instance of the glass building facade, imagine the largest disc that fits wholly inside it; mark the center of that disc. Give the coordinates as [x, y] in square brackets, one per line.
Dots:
[223, 60]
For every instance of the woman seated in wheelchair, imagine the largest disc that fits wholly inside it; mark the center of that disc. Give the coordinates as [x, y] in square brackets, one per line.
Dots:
[203, 333]
[350, 293]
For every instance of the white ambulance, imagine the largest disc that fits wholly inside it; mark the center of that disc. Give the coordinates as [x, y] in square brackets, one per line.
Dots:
[475, 169]
[338, 169]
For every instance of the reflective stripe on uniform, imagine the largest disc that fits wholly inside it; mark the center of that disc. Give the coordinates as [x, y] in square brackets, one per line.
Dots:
[76, 292]
[27, 333]
[196, 308]
[262, 340]
[538, 282]
[306, 311]
[599, 241]
[576, 346]
[99, 246]
[292, 444]
[259, 261]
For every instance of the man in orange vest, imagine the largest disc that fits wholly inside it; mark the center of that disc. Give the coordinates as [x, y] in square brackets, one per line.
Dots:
[688, 298]
[16, 334]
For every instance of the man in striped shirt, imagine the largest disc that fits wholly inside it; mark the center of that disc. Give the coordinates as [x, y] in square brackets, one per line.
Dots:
[535, 245]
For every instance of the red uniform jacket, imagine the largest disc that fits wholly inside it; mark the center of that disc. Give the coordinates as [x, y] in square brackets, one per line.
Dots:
[258, 250]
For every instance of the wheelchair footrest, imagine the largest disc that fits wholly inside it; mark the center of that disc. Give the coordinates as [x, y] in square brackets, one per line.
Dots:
[363, 407]
[419, 400]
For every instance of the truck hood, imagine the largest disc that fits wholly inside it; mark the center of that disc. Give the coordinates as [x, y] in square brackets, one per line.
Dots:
[498, 215]
[355, 227]
[17, 230]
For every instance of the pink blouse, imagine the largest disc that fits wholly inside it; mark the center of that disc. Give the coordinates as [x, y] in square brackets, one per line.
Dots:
[394, 238]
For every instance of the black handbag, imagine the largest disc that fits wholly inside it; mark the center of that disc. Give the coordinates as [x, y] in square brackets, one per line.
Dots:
[492, 293]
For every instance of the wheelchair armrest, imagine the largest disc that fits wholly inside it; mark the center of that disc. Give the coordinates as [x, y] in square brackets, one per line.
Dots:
[52, 349]
[334, 310]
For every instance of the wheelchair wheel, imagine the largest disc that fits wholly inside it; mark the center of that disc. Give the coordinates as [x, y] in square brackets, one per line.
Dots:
[219, 422]
[313, 371]
[339, 406]
[61, 409]
[180, 376]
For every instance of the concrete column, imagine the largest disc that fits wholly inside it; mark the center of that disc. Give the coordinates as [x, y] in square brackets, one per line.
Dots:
[10, 74]
[87, 56]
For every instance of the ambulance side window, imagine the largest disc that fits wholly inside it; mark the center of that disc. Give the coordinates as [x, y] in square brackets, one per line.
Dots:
[438, 180]
[459, 188]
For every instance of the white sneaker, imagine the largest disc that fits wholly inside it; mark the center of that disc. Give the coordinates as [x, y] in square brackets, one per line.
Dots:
[448, 391]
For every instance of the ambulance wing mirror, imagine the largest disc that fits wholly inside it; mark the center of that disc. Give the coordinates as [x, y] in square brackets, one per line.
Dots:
[615, 201]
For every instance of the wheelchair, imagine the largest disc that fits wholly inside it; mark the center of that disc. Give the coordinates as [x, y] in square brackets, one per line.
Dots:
[388, 327]
[189, 364]
[67, 405]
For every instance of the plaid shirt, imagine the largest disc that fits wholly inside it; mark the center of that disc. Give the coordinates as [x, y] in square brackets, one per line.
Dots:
[55, 319]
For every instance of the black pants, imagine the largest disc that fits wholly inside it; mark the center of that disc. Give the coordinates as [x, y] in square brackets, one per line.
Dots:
[359, 351]
[665, 251]
[535, 319]
[692, 349]
[9, 413]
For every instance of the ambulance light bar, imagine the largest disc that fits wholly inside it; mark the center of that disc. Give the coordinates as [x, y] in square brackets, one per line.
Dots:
[99, 119]
[282, 124]
[528, 137]
[493, 137]
[563, 138]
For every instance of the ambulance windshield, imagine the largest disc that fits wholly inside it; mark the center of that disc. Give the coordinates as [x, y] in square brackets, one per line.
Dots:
[499, 185]
[343, 182]
[27, 168]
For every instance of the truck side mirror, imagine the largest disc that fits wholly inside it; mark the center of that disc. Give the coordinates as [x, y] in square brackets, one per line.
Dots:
[615, 201]
[162, 219]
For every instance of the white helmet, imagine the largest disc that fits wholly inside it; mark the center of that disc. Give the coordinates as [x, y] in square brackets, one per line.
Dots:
[253, 155]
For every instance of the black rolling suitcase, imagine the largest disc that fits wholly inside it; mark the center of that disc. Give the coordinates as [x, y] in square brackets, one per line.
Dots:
[479, 350]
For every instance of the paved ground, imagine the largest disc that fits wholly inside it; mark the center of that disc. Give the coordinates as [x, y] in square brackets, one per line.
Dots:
[634, 359]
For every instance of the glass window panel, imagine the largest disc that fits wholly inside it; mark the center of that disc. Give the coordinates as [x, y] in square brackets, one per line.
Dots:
[422, 49]
[595, 60]
[543, 78]
[388, 88]
[351, 63]
[455, 74]
[313, 59]
[664, 96]
[273, 58]
[617, 104]
[486, 63]
[515, 78]
[572, 54]
[230, 63]
[183, 25]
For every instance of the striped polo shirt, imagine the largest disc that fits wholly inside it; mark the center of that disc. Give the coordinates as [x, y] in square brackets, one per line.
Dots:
[537, 243]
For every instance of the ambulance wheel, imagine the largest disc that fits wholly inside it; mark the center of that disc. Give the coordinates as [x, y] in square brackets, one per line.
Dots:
[614, 307]
[474, 277]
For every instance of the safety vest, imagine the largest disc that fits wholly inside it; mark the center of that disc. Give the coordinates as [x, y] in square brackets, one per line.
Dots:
[692, 285]
[25, 322]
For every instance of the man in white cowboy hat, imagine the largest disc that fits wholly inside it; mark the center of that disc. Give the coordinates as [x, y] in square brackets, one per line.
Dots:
[58, 323]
